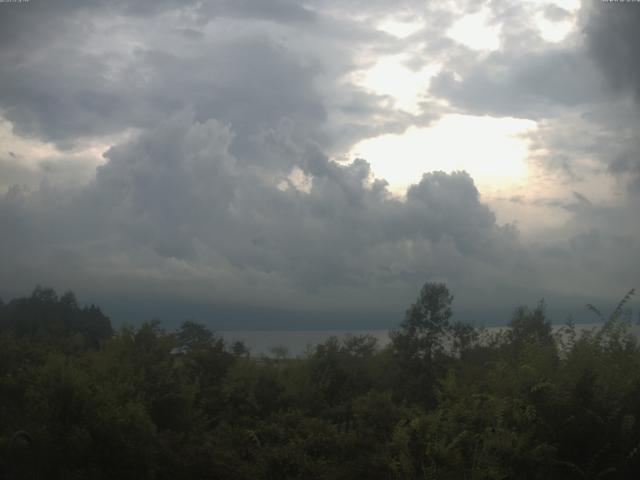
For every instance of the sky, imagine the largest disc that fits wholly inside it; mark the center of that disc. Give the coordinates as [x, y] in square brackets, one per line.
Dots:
[311, 163]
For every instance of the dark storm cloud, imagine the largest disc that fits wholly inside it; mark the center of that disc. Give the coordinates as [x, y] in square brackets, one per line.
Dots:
[205, 197]
[281, 11]
[176, 197]
[613, 38]
[627, 166]
[530, 85]
[222, 189]
[74, 69]
[604, 245]
[527, 76]
[241, 82]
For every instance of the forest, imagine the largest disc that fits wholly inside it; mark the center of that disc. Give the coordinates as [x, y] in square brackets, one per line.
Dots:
[444, 400]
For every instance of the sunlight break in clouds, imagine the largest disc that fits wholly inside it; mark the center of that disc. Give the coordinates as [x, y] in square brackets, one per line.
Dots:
[553, 31]
[491, 150]
[555, 19]
[33, 160]
[390, 76]
[475, 32]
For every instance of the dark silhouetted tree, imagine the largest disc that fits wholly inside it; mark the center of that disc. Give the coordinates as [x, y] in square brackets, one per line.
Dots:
[420, 340]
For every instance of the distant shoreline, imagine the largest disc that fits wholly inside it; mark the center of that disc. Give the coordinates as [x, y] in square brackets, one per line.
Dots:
[262, 342]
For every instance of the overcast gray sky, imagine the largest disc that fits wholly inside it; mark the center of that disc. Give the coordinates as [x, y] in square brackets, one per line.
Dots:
[286, 162]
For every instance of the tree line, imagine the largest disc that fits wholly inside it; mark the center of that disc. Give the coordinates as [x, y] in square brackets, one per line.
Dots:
[444, 400]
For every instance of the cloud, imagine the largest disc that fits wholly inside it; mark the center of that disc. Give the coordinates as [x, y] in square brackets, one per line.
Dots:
[89, 70]
[530, 85]
[556, 13]
[612, 39]
[175, 203]
[222, 124]
[96, 95]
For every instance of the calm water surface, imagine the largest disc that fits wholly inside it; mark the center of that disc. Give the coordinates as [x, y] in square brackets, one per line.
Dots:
[296, 342]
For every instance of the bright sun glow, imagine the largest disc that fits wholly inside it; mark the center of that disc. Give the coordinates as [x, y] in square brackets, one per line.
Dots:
[492, 150]
[475, 32]
[553, 31]
[390, 76]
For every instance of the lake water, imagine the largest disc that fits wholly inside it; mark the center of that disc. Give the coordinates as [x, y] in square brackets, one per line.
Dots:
[297, 341]
[294, 341]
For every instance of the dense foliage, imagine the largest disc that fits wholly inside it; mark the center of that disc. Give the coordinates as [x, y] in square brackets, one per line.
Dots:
[444, 400]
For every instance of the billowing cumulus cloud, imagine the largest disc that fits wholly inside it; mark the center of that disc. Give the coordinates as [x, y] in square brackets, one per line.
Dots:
[193, 153]
[174, 202]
